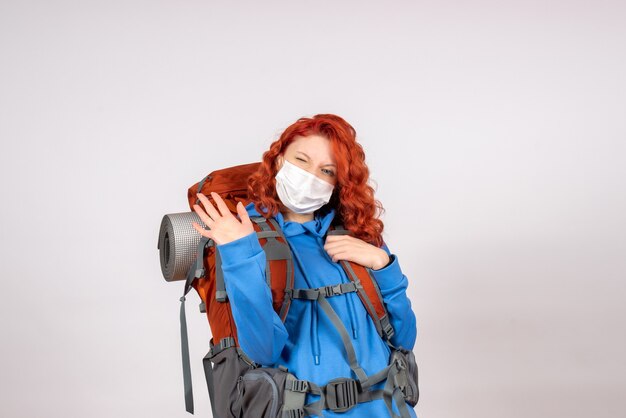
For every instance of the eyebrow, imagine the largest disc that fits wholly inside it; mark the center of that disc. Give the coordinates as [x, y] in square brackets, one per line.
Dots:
[310, 158]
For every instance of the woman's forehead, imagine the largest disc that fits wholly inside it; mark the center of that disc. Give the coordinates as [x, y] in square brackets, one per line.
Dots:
[314, 146]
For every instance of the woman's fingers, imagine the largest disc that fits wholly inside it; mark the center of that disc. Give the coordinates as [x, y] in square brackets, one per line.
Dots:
[224, 227]
[334, 242]
[345, 247]
[205, 218]
[208, 206]
[339, 256]
[220, 204]
[243, 214]
[201, 230]
[336, 246]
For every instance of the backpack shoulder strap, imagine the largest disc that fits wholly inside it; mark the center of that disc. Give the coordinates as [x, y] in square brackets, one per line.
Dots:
[279, 271]
[368, 291]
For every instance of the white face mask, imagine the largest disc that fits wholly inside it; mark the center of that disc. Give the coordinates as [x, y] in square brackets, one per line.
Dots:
[301, 191]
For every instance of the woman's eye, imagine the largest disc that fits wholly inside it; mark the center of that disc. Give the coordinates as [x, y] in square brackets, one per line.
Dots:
[328, 172]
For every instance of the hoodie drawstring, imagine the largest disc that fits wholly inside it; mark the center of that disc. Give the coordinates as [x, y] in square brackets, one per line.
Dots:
[353, 321]
[315, 336]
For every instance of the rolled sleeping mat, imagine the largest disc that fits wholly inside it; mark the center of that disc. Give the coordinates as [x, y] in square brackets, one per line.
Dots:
[178, 244]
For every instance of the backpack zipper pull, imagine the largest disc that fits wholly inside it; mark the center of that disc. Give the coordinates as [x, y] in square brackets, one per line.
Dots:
[239, 380]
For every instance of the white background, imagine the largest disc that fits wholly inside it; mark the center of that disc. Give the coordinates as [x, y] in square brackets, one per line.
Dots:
[494, 130]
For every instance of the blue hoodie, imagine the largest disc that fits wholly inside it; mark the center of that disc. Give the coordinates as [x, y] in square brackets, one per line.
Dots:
[307, 343]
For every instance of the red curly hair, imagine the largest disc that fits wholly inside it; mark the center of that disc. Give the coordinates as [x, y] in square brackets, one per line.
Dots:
[353, 198]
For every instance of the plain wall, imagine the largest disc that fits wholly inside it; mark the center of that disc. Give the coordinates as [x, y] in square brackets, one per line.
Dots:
[494, 131]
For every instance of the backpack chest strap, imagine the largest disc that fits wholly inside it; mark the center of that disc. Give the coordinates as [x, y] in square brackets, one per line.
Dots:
[326, 291]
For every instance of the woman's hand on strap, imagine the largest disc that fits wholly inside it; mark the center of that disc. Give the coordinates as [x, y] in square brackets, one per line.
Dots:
[224, 226]
[347, 247]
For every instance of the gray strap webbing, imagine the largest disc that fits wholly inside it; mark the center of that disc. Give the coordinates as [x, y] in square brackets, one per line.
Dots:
[354, 365]
[185, 354]
[220, 288]
[274, 249]
[200, 185]
[224, 343]
[314, 408]
[269, 247]
[184, 341]
[327, 291]
[386, 326]
[377, 377]
[289, 281]
[399, 398]
[376, 287]
[392, 391]
[267, 234]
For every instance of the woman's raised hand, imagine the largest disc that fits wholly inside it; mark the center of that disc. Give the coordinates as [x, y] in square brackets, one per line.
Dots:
[225, 227]
[347, 247]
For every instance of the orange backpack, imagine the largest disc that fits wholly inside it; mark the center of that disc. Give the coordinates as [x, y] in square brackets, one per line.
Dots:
[231, 364]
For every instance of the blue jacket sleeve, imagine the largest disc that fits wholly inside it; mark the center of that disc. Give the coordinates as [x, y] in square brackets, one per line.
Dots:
[393, 284]
[261, 333]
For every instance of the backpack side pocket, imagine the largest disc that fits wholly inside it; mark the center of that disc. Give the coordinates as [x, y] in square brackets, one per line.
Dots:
[228, 367]
[412, 369]
[411, 391]
[262, 393]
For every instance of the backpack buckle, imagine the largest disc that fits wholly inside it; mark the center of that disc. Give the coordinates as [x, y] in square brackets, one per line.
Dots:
[224, 343]
[297, 386]
[400, 364]
[386, 326]
[341, 394]
[293, 413]
[400, 379]
[332, 289]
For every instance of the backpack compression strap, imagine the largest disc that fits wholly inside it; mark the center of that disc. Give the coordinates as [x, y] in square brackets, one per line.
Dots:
[195, 271]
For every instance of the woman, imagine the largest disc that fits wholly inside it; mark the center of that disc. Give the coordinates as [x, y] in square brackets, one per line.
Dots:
[315, 172]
